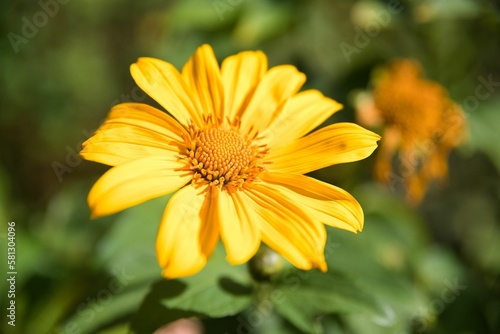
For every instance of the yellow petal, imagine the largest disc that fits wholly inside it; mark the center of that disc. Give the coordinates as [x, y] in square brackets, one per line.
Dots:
[202, 75]
[276, 86]
[132, 131]
[188, 234]
[334, 144]
[164, 83]
[239, 228]
[302, 113]
[240, 75]
[328, 204]
[136, 182]
[286, 228]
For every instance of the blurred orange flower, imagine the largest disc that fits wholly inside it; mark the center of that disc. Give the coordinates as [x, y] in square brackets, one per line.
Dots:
[420, 123]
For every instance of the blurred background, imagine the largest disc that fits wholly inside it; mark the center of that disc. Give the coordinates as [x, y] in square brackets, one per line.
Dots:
[434, 267]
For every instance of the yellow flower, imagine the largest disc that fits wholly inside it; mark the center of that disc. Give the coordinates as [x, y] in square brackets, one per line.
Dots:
[235, 151]
[420, 122]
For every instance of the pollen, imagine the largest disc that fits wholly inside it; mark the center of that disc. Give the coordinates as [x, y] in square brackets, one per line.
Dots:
[222, 157]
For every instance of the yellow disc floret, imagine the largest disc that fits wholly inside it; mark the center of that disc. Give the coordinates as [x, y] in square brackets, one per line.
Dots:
[222, 157]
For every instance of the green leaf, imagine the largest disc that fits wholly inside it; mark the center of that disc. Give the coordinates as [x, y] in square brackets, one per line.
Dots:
[65, 232]
[196, 14]
[484, 126]
[303, 297]
[153, 315]
[442, 9]
[127, 251]
[214, 298]
[118, 329]
[261, 20]
[219, 290]
[215, 292]
[371, 280]
[437, 266]
[131, 242]
[96, 311]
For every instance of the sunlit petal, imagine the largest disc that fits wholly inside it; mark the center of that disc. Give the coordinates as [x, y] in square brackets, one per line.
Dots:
[286, 228]
[132, 131]
[164, 83]
[187, 234]
[301, 114]
[241, 74]
[136, 182]
[202, 75]
[328, 204]
[334, 144]
[274, 89]
[239, 226]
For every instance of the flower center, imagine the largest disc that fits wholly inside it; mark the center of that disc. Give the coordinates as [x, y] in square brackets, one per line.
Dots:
[223, 158]
[408, 101]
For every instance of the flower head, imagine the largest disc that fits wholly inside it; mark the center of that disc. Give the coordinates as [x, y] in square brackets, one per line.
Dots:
[233, 150]
[420, 122]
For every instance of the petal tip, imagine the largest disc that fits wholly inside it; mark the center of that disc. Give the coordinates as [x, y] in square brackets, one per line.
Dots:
[94, 214]
[321, 265]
